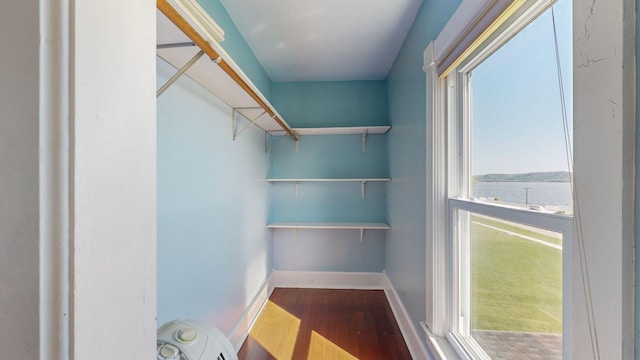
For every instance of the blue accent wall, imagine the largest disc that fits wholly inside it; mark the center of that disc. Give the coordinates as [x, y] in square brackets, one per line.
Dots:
[330, 156]
[214, 251]
[333, 103]
[315, 104]
[406, 255]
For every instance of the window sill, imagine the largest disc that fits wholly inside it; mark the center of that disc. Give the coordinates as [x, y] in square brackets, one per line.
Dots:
[439, 346]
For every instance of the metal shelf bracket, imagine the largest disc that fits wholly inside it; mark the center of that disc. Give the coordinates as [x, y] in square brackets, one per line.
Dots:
[180, 72]
[361, 235]
[175, 45]
[362, 183]
[364, 140]
[234, 123]
[268, 146]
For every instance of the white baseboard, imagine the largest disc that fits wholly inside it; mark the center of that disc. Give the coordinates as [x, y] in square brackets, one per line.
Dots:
[240, 331]
[330, 280]
[411, 336]
[327, 280]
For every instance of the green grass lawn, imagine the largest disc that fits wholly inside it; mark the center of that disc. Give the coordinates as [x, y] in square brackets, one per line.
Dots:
[516, 283]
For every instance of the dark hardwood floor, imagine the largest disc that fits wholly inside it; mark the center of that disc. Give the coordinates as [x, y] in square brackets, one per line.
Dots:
[325, 324]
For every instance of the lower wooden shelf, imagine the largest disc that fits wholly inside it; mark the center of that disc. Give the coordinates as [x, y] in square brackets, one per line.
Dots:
[362, 226]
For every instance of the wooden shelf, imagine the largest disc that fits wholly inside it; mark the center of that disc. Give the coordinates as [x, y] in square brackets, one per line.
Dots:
[328, 225]
[331, 180]
[177, 48]
[362, 181]
[362, 226]
[346, 130]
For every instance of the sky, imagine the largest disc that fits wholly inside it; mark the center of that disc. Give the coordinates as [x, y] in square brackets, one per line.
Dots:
[516, 113]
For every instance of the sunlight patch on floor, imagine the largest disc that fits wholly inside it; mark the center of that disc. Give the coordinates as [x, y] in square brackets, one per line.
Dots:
[321, 348]
[276, 330]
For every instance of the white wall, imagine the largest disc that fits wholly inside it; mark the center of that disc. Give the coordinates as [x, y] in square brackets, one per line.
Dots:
[114, 179]
[19, 246]
[604, 148]
[108, 189]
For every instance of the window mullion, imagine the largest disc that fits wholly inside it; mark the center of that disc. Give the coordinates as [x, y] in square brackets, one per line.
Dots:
[453, 138]
[554, 222]
[464, 93]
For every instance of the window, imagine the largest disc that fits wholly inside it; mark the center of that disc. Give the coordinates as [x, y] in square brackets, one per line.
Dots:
[507, 209]
[598, 268]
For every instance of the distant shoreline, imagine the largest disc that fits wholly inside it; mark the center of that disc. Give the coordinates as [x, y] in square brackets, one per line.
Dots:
[550, 176]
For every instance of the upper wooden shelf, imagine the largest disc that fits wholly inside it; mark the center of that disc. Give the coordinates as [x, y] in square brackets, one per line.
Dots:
[178, 43]
[345, 130]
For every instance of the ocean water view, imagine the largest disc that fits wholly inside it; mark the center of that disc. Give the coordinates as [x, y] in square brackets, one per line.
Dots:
[554, 196]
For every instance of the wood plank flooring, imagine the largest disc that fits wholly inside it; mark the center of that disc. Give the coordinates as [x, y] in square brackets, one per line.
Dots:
[325, 324]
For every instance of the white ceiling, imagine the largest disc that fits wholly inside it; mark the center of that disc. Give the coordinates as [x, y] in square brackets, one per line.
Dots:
[324, 40]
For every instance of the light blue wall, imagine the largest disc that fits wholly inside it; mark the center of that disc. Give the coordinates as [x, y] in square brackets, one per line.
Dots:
[328, 250]
[406, 255]
[329, 202]
[637, 199]
[326, 104]
[235, 45]
[214, 251]
[313, 104]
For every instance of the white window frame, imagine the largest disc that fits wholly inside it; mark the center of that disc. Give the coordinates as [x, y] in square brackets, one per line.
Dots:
[458, 115]
[467, 347]
[604, 159]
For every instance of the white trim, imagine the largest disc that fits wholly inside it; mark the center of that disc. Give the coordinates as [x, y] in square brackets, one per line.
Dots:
[54, 182]
[436, 318]
[240, 331]
[457, 24]
[409, 333]
[473, 19]
[604, 161]
[439, 346]
[511, 28]
[326, 280]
